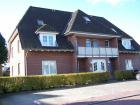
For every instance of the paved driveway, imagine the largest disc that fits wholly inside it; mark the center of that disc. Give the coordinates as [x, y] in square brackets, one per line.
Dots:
[99, 94]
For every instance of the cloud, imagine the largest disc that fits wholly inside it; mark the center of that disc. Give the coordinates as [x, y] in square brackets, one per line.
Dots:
[111, 2]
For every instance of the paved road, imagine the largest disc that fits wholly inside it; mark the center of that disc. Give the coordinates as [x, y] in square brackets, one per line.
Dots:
[78, 96]
[132, 100]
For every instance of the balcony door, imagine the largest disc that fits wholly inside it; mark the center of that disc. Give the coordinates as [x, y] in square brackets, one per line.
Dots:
[98, 65]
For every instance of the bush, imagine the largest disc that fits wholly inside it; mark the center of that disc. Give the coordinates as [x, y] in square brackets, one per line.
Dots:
[15, 84]
[124, 75]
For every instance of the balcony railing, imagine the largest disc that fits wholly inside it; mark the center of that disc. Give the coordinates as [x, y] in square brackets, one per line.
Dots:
[97, 52]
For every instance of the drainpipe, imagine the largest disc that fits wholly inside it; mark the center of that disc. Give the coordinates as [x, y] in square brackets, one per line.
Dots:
[25, 60]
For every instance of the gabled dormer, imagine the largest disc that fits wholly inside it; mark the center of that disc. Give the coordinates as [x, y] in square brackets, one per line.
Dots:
[47, 35]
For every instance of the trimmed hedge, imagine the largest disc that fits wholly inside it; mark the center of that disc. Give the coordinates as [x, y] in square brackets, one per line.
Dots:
[16, 84]
[124, 75]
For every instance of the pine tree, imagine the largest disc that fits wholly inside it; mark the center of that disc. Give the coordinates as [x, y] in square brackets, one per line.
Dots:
[3, 51]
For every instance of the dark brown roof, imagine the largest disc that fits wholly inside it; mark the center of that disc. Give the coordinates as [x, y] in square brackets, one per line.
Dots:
[62, 22]
[46, 28]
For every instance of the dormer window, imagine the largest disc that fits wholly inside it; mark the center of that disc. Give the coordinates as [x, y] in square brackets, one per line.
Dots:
[113, 30]
[47, 39]
[86, 19]
[126, 43]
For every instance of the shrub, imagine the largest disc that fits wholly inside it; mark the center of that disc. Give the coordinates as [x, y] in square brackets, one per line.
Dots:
[15, 84]
[124, 75]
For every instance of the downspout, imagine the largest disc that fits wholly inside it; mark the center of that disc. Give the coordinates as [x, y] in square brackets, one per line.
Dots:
[25, 60]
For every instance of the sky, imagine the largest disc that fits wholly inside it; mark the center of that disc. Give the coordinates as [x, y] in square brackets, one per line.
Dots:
[125, 14]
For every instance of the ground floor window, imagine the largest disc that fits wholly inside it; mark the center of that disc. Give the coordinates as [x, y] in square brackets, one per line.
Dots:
[49, 67]
[128, 64]
[98, 65]
[18, 68]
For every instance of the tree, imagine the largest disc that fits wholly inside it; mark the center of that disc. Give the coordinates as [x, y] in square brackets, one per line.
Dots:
[3, 51]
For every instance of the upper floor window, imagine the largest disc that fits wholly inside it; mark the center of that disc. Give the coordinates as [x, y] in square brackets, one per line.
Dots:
[47, 40]
[107, 43]
[18, 45]
[126, 43]
[95, 44]
[88, 43]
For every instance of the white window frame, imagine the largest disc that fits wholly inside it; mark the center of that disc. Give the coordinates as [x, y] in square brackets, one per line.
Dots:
[49, 71]
[128, 64]
[126, 43]
[97, 63]
[48, 43]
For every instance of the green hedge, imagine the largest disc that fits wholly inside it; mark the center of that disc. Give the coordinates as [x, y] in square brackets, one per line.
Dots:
[15, 84]
[124, 75]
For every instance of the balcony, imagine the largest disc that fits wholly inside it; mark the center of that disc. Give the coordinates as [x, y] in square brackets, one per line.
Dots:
[97, 52]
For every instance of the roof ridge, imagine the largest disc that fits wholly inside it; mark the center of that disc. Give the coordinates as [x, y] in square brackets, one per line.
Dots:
[49, 9]
[72, 20]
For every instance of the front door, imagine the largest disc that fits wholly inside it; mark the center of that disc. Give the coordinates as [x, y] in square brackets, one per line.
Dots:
[99, 65]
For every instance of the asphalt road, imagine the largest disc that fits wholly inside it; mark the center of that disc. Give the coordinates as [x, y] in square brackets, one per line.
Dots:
[119, 93]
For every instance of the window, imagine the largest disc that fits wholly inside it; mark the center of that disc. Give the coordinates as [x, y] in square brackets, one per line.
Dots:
[12, 71]
[18, 45]
[48, 40]
[12, 51]
[88, 43]
[128, 64]
[95, 44]
[113, 30]
[44, 38]
[102, 66]
[86, 19]
[98, 65]
[126, 43]
[18, 68]
[95, 66]
[107, 43]
[40, 22]
[49, 67]
[51, 40]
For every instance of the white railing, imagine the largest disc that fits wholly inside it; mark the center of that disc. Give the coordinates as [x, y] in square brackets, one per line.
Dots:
[91, 51]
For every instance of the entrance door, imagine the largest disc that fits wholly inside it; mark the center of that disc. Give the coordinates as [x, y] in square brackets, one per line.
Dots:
[99, 65]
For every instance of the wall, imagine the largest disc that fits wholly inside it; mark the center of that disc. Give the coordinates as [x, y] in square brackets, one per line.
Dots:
[64, 61]
[112, 42]
[135, 60]
[18, 57]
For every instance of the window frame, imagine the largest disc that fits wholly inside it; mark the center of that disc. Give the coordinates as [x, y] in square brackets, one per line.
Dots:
[18, 68]
[107, 45]
[95, 45]
[126, 43]
[49, 63]
[88, 43]
[47, 42]
[127, 64]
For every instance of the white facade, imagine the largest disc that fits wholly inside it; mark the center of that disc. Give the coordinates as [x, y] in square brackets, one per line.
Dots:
[17, 62]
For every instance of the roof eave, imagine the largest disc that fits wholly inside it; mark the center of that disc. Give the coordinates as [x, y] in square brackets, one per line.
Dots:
[62, 50]
[129, 52]
[48, 32]
[14, 34]
[94, 34]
